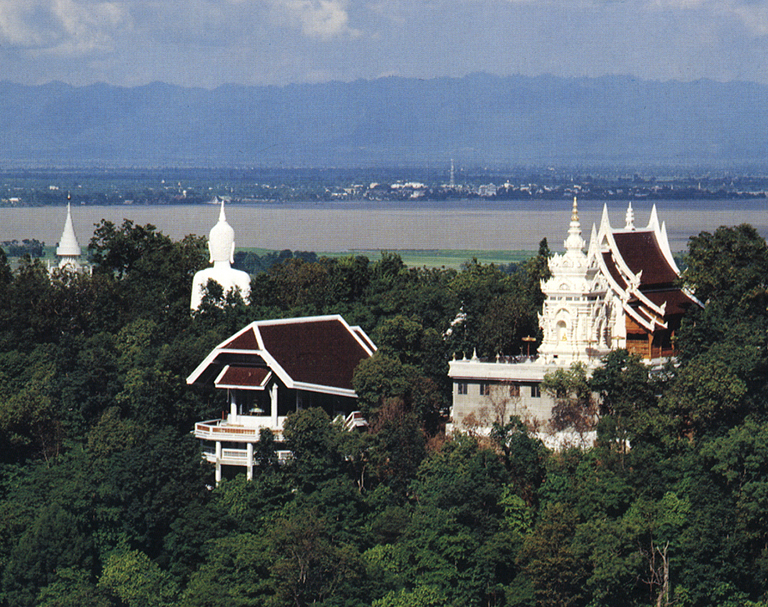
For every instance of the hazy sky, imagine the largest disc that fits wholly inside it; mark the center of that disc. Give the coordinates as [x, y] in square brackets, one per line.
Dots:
[211, 42]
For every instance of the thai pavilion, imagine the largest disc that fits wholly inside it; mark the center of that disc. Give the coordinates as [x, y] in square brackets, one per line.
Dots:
[621, 293]
[271, 368]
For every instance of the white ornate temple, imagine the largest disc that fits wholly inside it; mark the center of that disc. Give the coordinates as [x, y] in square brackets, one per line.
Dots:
[221, 245]
[621, 293]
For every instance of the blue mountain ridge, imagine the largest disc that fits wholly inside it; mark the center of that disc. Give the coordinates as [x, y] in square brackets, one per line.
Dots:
[479, 118]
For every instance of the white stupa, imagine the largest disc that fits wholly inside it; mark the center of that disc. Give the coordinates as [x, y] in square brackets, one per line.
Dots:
[221, 244]
[68, 250]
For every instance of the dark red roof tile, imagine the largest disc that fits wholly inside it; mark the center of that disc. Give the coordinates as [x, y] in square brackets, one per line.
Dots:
[245, 377]
[641, 252]
[245, 341]
[677, 301]
[319, 352]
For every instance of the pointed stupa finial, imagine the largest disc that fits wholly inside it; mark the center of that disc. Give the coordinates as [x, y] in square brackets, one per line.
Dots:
[68, 245]
[630, 218]
[574, 242]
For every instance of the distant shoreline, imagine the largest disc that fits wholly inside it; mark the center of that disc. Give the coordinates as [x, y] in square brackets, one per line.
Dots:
[375, 226]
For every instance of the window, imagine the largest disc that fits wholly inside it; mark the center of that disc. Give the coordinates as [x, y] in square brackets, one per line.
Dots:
[535, 390]
[461, 387]
[485, 389]
[514, 390]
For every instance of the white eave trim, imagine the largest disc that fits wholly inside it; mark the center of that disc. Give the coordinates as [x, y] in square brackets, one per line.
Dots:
[324, 389]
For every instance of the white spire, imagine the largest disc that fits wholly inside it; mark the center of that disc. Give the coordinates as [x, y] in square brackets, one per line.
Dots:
[653, 222]
[630, 218]
[68, 246]
[592, 251]
[574, 242]
[605, 222]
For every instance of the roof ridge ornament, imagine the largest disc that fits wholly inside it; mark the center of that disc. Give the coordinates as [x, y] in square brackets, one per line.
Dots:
[630, 218]
[593, 246]
[605, 222]
[653, 222]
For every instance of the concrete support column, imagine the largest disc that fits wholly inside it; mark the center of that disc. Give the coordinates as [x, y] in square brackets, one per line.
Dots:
[273, 405]
[218, 462]
[249, 453]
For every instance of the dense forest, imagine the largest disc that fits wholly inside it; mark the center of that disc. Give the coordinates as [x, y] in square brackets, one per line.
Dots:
[105, 500]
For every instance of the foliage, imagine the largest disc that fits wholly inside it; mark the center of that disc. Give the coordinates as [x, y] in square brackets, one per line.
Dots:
[105, 500]
[574, 406]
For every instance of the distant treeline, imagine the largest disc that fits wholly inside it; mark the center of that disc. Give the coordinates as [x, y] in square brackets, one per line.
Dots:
[33, 248]
[253, 263]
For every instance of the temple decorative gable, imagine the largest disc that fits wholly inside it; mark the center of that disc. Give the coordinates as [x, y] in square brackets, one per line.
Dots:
[622, 293]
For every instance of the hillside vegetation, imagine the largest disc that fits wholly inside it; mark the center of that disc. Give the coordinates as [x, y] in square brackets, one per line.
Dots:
[106, 501]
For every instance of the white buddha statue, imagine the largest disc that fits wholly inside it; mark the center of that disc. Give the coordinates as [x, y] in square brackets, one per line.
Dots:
[221, 244]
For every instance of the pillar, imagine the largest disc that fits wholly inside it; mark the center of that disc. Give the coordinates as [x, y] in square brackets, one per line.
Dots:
[218, 462]
[273, 404]
[249, 452]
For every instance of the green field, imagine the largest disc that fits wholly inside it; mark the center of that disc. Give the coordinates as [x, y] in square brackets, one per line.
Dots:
[430, 258]
[449, 258]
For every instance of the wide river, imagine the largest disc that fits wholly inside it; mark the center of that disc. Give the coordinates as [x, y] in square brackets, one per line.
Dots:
[347, 226]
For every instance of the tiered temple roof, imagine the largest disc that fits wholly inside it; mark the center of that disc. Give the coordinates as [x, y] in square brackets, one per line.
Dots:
[316, 354]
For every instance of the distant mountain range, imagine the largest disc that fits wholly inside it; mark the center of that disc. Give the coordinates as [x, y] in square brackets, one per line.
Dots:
[478, 119]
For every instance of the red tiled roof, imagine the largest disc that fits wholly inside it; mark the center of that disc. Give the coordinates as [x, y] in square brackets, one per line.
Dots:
[319, 352]
[641, 252]
[613, 270]
[677, 301]
[245, 341]
[245, 377]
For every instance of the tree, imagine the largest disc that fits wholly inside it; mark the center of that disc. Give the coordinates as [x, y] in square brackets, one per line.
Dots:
[557, 572]
[627, 401]
[71, 588]
[574, 406]
[235, 573]
[137, 581]
[310, 438]
[308, 567]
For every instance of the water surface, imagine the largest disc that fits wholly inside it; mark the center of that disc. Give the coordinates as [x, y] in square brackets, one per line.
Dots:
[368, 225]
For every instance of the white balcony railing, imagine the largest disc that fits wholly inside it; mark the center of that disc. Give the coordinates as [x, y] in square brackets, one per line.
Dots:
[221, 430]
